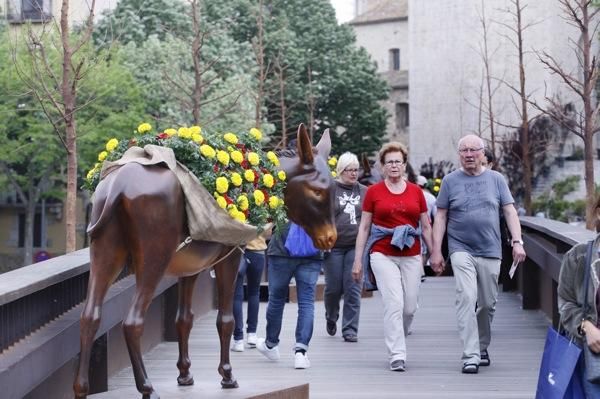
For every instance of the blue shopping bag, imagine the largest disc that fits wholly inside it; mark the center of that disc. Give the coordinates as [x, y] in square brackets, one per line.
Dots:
[298, 242]
[559, 376]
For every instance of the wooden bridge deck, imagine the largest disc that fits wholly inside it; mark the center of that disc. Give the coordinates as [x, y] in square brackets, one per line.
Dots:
[360, 370]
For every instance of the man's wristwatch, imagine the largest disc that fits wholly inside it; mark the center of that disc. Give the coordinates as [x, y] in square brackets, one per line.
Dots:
[513, 242]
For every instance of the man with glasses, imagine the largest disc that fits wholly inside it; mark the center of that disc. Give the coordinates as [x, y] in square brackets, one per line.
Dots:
[468, 203]
[349, 197]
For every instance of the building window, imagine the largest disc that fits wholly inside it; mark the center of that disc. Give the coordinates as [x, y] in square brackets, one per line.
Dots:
[395, 59]
[37, 230]
[402, 120]
[29, 10]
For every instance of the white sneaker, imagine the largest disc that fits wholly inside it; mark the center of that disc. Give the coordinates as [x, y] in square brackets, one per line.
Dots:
[271, 354]
[301, 361]
[237, 345]
[252, 340]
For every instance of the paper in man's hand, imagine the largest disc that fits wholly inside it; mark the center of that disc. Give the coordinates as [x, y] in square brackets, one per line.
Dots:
[513, 269]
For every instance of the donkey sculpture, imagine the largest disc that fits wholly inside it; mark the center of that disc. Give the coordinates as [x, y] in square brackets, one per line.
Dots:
[139, 218]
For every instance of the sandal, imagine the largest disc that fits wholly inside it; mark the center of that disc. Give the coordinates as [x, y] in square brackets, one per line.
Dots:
[470, 368]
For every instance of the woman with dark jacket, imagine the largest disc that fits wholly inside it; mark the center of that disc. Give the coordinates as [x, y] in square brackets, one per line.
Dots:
[583, 328]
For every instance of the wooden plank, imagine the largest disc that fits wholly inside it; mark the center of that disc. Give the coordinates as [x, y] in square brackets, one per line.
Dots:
[357, 370]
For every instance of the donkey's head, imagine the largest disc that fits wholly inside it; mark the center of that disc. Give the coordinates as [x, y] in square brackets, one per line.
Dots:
[310, 189]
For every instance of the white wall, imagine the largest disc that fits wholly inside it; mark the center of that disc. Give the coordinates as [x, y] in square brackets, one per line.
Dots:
[379, 38]
[446, 71]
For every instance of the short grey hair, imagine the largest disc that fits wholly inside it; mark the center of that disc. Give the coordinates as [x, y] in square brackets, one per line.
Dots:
[345, 160]
[471, 136]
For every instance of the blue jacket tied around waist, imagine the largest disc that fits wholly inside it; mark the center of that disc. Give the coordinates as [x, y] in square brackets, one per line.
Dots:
[403, 236]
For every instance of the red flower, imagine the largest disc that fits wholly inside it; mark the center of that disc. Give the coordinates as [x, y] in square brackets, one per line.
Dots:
[266, 195]
[228, 199]
[244, 164]
[216, 168]
[162, 136]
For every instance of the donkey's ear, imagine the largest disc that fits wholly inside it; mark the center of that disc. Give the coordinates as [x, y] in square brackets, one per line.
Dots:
[324, 146]
[305, 152]
[364, 160]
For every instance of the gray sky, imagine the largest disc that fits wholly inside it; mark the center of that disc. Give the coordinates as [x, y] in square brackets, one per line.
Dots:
[344, 9]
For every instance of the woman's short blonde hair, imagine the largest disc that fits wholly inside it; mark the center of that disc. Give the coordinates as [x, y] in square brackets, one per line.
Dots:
[344, 161]
[392, 146]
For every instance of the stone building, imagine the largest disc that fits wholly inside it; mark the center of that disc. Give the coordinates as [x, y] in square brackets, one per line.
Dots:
[381, 27]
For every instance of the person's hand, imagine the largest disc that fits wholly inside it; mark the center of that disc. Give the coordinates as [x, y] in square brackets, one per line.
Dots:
[518, 253]
[592, 336]
[357, 271]
[437, 262]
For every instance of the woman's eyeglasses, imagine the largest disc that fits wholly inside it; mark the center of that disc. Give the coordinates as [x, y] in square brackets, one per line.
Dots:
[394, 162]
[351, 170]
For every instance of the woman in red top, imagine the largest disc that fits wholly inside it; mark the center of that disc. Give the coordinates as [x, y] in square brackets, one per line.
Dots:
[395, 205]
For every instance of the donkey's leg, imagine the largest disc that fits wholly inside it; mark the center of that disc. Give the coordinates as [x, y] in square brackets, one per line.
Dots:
[149, 267]
[183, 323]
[107, 258]
[226, 272]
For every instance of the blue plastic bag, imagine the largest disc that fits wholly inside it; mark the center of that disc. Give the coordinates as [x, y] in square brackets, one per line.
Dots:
[559, 377]
[298, 243]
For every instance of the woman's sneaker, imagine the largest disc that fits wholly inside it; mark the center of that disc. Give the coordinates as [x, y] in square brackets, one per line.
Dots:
[301, 361]
[237, 345]
[252, 340]
[269, 353]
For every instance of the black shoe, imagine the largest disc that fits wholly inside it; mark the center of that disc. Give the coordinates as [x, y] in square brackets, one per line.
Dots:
[470, 368]
[485, 358]
[350, 338]
[331, 328]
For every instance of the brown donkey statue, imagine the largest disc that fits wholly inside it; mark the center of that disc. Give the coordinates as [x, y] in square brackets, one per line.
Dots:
[143, 223]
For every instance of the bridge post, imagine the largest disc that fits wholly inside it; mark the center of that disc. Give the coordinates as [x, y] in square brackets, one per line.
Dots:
[99, 365]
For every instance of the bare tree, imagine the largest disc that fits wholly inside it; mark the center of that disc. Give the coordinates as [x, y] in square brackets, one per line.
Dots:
[582, 15]
[57, 92]
[516, 29]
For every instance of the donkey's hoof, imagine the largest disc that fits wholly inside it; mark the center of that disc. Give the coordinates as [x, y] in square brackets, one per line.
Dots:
[151, 395]
[229, 384]
[187, 380]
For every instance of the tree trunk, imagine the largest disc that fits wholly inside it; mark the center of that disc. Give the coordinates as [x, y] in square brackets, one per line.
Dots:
[28, 228]
[68, 94]
[260, 58]
[196, 50]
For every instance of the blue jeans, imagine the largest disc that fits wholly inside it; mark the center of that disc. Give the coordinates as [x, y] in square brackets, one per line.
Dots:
[306, 273]
[338, 283]
[251, 267]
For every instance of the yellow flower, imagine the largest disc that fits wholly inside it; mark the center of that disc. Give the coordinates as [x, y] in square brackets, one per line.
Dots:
[236, 179]
[438, 181]
[223, 157]
[170, 132]
[268, 180]
[195, 129]
[102, 156]
[144, 127]
[184, 133]
[197, 137]
[222, 185]
[254, 132]
[112, 144]
[259, 197]
[91, 173]
[253, 158]
[221, 202]
[249, 175]
[273, 202]
[230, 138]
[271, 156]
[333, 174]
[239, 216]
[436, 188]
[332, 161]
[207, 151]
[242, 202]
[237, 156]
[281, 175]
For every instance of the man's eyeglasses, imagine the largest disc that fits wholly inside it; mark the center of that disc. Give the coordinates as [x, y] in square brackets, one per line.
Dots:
[470, 150]
[351, 170]
[394, 162]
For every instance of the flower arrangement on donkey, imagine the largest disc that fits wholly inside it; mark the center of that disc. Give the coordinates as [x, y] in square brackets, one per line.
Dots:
[244, 179]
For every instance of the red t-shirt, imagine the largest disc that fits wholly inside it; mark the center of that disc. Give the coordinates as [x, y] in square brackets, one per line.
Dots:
[392, 210]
